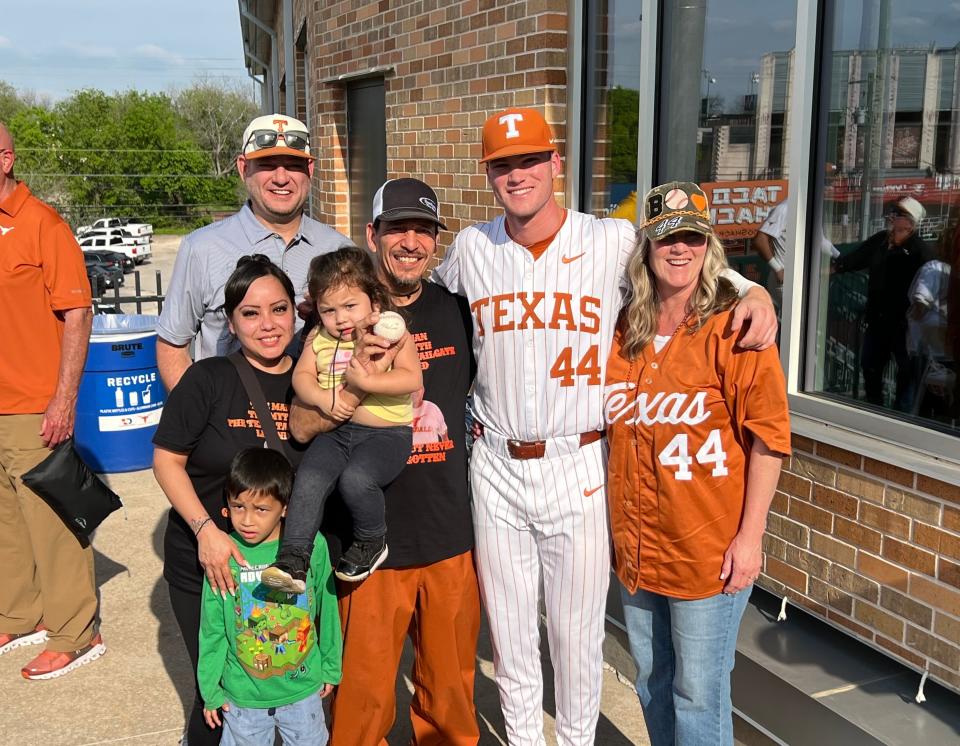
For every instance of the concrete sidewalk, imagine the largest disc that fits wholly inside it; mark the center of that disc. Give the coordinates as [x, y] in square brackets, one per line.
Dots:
[138, 692]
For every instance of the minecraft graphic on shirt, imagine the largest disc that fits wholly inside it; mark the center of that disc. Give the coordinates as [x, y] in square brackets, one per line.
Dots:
[274, 629]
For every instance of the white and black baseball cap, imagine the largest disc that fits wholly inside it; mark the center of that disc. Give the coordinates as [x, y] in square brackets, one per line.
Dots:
[403, 199]
[276, 134]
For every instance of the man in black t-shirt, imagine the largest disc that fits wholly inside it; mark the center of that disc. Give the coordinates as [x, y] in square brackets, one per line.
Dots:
[892, 258]
[427, 588]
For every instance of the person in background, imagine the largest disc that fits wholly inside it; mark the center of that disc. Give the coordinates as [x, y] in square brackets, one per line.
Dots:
[48, 593]
[770, 243]
[927, 334]
[892, 258]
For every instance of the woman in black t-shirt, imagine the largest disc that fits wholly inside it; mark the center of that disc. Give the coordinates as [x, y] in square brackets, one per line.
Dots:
[206, 420]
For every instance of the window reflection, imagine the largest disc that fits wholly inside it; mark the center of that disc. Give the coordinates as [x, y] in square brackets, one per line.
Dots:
[886, 331]
[613, 105]
[724, 122]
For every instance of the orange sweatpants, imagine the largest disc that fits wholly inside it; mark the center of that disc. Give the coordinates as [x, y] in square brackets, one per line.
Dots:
[438, 605]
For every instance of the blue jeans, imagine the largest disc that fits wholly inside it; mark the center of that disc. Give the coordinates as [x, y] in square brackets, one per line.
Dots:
[684, 651]
[300, 724]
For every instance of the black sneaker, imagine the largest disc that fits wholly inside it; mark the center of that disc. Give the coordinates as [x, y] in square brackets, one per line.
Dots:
[289, 572]
[361, 559]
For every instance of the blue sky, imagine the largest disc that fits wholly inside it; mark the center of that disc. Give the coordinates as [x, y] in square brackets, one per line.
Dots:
[53, 47]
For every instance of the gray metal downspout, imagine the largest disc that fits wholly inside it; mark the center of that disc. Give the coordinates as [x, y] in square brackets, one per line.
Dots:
[683, 31]
[258, 82]
[289, 66]
[274, 72]
[265, 97]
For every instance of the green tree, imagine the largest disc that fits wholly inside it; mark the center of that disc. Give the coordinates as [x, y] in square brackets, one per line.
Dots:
[166, 160]
[217, 115]
[10, 102]
[623, 107]
[131, 154]
[39, 156]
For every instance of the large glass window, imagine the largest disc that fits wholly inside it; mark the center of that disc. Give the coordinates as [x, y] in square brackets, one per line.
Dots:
[612, 98]
[884, 289]
[724, 121]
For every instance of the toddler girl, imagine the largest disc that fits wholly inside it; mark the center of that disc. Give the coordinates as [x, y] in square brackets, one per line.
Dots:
[368, 451]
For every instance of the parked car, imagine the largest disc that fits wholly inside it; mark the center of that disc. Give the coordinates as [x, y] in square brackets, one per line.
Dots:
[112, 259]
[98, 280]
[138, 254]
[135, 229]
[113, 277]
[127, 236]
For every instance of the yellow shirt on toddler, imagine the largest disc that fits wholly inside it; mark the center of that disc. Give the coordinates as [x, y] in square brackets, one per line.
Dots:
[333, 356]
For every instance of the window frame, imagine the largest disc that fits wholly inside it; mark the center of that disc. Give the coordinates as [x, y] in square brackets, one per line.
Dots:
[913, 447]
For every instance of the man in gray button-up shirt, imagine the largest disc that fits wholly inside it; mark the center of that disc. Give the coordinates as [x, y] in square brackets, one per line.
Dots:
[276, 166]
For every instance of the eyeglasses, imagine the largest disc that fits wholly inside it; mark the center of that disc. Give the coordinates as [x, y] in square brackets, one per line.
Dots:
[268, 139]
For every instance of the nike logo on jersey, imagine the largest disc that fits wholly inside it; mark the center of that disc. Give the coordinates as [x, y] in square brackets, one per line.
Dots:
[570, 259]
[588, 493]
[4, 230]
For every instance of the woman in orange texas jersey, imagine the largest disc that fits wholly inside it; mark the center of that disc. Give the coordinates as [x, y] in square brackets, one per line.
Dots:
[697, 430]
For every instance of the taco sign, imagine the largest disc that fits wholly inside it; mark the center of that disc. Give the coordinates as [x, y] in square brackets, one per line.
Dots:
[738, 208]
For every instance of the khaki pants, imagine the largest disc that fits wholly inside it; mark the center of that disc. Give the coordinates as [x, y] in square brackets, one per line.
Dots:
[438, 605]
[45, 575]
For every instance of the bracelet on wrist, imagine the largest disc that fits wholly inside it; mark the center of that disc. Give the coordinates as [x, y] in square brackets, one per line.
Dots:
[203, 523]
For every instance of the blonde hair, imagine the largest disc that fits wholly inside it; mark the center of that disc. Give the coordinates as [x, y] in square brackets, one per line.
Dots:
[641, 313]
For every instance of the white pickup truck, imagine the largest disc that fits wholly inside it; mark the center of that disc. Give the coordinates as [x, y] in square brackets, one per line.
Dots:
[138, 252]
[104, 224]
[123, 233]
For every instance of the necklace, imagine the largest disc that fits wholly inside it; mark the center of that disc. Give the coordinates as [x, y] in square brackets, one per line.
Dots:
[409, 297]
[683, 323]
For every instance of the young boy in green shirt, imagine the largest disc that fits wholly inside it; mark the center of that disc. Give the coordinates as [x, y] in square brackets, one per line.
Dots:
[265, 654]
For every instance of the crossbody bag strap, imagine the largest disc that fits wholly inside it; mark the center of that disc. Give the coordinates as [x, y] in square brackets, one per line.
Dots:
[255, 392]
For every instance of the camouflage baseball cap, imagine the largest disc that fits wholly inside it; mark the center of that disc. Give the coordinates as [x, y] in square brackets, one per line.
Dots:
[674, 207]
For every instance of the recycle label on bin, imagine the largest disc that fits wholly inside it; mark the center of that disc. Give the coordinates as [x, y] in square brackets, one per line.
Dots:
[137, 399]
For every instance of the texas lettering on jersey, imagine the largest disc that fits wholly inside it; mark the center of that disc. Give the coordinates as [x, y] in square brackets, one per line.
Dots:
[651, 409]
[539, 310]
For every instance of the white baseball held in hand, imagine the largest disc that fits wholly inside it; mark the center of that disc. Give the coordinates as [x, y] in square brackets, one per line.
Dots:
[390, 326]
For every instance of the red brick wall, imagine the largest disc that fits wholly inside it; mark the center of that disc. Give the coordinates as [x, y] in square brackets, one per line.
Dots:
[874, 549]
[453, 65]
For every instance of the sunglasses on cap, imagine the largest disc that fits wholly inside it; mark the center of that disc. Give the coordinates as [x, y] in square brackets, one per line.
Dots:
[268, 139]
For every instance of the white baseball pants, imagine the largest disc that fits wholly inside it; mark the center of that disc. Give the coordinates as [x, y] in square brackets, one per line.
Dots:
[544, 518]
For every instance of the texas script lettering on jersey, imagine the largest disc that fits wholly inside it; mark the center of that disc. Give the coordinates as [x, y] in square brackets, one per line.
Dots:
[651, 409]
[510, 311]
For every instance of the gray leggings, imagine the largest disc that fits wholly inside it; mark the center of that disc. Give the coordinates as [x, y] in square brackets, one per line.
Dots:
[358, 459]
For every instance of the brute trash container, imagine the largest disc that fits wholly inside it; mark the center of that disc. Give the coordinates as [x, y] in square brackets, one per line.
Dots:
[121, 395]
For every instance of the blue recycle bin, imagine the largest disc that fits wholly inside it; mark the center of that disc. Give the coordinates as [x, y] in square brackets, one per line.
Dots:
[121, 395]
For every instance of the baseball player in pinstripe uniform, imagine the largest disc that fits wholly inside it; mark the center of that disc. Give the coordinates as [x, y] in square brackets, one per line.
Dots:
[545, 286]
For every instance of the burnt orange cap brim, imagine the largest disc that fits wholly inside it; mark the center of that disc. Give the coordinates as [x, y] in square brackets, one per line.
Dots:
[509, 150]
[267, 152]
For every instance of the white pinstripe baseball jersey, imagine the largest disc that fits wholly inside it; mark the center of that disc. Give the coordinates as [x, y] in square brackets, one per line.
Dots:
[542, 327]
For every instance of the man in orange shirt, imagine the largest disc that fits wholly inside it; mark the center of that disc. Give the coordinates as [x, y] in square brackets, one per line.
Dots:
[48, 593]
